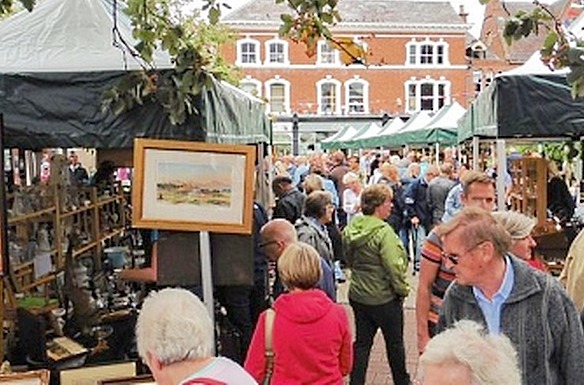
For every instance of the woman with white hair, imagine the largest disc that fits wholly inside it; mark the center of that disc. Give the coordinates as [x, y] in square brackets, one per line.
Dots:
[520, 226]
[175, 338]
[352, 195]
[467, 355]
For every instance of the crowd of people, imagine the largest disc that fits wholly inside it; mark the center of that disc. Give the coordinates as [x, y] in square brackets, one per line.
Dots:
[487, 311]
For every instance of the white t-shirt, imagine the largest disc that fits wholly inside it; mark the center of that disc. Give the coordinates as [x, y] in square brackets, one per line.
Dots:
[223, 370]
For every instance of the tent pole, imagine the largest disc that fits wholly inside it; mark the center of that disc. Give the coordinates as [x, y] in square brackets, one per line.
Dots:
[501, 173]
[3, 229]
[207, 274]
[437, 153]
[475, 153]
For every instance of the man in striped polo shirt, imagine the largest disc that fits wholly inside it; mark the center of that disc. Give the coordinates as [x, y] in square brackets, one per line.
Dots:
[478, 190]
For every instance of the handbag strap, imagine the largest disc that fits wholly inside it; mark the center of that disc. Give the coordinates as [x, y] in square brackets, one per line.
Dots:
[269, 349]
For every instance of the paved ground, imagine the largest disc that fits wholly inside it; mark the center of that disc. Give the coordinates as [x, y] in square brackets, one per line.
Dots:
[378, 372]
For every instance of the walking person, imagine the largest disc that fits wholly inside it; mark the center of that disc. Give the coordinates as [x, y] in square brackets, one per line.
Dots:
[418, 210]
[478, 190]
[311, 337]
[505, 295]
[378, 263]
[311, 229]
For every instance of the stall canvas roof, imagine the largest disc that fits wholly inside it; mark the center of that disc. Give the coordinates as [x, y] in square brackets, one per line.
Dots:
[387, 130]
[530, 101]
[417, 120]
[441, 129]
[367, 131]
[524, 106]
[57, 62]
[347, 133]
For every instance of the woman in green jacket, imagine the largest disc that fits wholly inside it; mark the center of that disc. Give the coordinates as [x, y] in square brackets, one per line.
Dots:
[378, 263]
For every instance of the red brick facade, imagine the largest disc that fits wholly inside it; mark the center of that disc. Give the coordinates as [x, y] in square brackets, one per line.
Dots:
[387, 75]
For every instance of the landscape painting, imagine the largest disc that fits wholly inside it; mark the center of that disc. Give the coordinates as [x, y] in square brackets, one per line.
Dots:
[193, 186]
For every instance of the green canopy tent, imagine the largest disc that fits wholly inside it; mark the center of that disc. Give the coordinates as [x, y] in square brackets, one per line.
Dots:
[382, 136]
[366, 130]
[417, 120]
[442, 128]
[336, 140]
[524, 105]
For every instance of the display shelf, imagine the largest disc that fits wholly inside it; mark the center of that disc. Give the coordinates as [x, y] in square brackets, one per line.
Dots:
[31, 216]
[98, 220]
[529, 191]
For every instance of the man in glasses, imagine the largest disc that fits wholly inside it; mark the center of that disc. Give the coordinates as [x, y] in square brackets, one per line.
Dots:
[478, 189]
[508, 297]
[276, 236]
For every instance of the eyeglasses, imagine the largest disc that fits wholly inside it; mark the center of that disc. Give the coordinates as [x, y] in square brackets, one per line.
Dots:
[266, 244]
[452, 257]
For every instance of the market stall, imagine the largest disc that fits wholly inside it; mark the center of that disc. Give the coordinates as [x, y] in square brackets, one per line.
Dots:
[56, 63]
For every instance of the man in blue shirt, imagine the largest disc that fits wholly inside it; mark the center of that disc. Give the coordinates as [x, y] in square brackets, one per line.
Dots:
[508, 297]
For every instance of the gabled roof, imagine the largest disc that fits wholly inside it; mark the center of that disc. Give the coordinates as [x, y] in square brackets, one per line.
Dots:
[384, 12]
[521, 50]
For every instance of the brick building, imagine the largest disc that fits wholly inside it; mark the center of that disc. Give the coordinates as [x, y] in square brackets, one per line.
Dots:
[416, 60]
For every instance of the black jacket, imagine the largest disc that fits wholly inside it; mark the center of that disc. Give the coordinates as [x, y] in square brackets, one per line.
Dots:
[289, 206]
[416, 200]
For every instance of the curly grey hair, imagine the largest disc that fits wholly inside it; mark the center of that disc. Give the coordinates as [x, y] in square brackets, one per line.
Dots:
[491, 358]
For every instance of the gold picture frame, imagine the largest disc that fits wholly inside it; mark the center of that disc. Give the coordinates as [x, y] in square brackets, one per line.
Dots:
[193, 186]
[35, 377]
[97, 373]
[137, 380]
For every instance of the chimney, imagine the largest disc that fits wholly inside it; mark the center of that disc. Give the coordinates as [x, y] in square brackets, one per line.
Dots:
[461, 12]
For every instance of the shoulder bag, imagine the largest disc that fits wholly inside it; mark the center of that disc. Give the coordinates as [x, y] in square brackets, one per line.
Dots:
[269, 349]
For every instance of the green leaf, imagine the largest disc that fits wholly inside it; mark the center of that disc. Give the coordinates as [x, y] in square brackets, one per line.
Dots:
[327, 18]
[214, 15]
[550, 40]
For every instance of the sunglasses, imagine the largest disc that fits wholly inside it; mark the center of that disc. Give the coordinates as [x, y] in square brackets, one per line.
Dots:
[453, 257]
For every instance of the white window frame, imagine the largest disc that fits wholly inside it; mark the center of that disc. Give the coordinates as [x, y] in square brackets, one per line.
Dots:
[240, 44]
[337, 105]
[319, 52]
[286, 83]
[414, 53]
[256, 83]
[416, 104]
[285, 54]
[365, 85]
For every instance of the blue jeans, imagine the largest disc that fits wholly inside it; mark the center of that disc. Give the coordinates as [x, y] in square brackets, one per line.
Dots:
[418, 237]
[404, 236]
[390, 318]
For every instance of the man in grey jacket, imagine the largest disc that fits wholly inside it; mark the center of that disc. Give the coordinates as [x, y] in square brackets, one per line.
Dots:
[508, 297]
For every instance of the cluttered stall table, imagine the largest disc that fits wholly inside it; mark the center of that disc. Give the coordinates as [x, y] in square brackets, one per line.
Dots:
[65, 305]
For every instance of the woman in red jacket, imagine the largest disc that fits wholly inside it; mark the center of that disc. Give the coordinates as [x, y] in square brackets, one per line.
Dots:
[311, 338]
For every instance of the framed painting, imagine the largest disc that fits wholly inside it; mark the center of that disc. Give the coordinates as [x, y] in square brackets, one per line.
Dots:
[193, 186]
[35, 377]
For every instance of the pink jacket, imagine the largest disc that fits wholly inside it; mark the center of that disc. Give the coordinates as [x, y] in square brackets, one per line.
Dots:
[311, 339]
